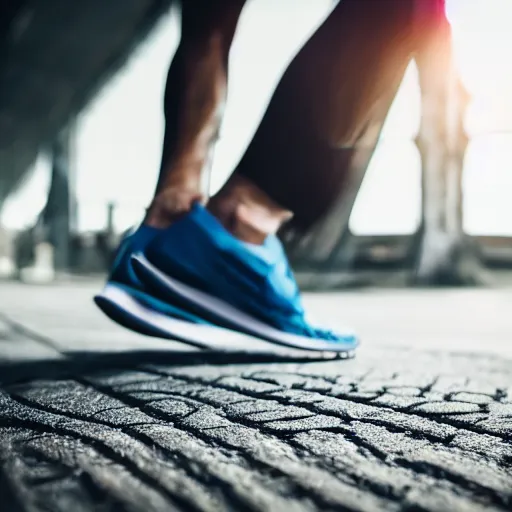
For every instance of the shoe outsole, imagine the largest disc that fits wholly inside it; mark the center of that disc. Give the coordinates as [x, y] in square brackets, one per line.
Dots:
[122, 307]
[224, 314]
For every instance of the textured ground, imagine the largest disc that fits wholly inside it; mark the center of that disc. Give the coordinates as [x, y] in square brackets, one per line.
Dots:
[394, 429]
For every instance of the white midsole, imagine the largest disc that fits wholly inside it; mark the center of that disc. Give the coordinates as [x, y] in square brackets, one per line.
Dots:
[206, 336]
[236, 317]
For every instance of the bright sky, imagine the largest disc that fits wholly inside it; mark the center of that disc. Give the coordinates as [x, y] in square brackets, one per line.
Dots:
[120, 133]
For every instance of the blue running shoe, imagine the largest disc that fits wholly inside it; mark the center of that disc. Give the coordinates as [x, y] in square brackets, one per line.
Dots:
[246, 287]
[126, 301]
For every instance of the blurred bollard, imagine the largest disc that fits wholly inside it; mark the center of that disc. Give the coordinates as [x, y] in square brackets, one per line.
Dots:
[7, 266]
[43, 270]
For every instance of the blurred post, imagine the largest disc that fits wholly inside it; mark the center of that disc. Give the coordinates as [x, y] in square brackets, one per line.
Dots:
[59, 215]
[111, 206]
[444, 254]
[52, 234]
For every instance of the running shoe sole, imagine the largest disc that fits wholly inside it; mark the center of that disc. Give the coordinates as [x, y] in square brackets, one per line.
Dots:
[226, 315]
[137, 314]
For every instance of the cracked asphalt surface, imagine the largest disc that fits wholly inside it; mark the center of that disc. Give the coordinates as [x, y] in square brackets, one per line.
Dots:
[394, 429]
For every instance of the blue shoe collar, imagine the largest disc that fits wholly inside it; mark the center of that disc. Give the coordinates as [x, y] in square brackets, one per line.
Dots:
[270, 250]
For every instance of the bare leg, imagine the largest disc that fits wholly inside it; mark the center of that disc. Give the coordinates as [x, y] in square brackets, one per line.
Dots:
[194, 98]
[332, 100]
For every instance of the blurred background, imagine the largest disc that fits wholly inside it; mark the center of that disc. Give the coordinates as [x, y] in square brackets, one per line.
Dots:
[75, 176]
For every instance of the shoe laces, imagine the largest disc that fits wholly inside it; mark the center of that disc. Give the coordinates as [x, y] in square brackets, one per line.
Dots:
[307, 329]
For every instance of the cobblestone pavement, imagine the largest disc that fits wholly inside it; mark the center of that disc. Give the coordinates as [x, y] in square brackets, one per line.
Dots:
[392, 429]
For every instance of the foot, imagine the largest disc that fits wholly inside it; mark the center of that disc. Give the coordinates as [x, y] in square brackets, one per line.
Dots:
[128, 302]
[233, 280]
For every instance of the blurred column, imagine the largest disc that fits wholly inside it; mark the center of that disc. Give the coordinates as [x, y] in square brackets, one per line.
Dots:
[444, 254]
[60, 213]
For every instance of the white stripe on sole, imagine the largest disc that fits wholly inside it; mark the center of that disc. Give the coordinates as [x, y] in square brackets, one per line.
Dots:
[208, 337]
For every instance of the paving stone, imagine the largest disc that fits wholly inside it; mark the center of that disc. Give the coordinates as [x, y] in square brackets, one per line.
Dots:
[451, 407]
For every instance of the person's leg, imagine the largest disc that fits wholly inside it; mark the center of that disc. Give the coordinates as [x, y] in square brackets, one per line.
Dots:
[330, 102]
[194, 98]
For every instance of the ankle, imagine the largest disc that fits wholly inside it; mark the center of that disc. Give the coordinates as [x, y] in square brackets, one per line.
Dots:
[170, 204]
[247, 212]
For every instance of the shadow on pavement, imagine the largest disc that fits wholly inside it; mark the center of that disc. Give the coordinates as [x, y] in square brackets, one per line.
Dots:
[87, 362]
